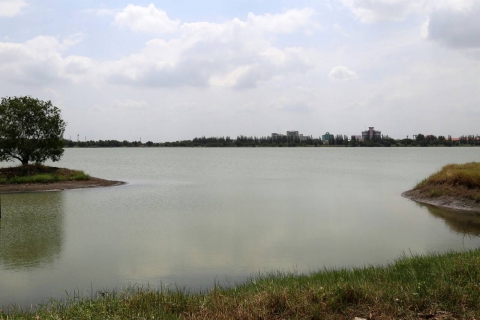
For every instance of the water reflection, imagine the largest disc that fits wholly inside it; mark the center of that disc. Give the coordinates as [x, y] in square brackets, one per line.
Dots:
[464, 222]
[31, 230]
[195, 217]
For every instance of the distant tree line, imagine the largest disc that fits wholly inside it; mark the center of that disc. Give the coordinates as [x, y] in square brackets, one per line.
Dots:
[244, 141]
[280, 141]
[109, 144]
[431, 140]
[338, 140]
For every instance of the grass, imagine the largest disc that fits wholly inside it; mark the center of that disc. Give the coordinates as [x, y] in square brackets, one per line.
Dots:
[477, 198]
[410, 288]
[435, 193]
[38, 173]
[457, 180]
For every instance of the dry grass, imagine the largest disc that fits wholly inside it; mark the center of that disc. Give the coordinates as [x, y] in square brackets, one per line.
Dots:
[418, 287]
[454, 180]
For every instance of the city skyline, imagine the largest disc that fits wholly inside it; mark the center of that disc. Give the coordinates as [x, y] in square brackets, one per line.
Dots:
[168, 71]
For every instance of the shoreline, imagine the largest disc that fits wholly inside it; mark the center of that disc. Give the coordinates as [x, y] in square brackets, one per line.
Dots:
[59, 186]
[447, 202]
[432, 286]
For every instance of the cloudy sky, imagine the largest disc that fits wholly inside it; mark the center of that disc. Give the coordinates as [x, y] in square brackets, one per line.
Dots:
[172, 70]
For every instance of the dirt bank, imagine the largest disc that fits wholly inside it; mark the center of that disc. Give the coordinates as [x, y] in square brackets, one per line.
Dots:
[455, 186]
[38, 177]
[451, 202]
[58, 186]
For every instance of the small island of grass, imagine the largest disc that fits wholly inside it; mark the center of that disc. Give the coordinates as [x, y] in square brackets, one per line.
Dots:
[37, 177]
[31, 131]
[455, 186]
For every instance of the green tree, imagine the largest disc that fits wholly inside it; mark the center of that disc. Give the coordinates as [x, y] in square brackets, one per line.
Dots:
[31, 130]
[420, 137]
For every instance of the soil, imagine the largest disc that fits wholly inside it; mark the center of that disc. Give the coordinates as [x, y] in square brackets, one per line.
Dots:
[452, 202]
[52, 186]
[59, 186]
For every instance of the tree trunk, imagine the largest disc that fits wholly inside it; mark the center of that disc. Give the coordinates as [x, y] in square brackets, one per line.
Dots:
[24, 162]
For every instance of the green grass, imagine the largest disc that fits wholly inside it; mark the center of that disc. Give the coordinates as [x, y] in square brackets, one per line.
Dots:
[39, 174]
[421, 183]
[434, 193]
[477, 198]
[413, 285]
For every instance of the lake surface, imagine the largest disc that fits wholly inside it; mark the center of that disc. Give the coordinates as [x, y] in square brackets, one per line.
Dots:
[193, 217]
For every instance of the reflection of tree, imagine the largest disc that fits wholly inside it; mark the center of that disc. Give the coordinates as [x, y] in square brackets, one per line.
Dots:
[465, 222]
[31, 232]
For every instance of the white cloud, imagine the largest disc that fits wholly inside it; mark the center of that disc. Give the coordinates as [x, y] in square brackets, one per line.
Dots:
[180, 86]
[458, 28]
[235, 78]
[129, 104]
[341, 73]
[146, 19]
[101, 12]
[338, 28]
[370, 11]
[454, 23]
[285, 23]
[233, 54]
[39, 61]
[299, 103]
[11, 8]
[456, 5]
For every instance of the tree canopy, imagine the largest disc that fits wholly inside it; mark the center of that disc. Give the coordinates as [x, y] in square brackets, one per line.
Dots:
[31, 130]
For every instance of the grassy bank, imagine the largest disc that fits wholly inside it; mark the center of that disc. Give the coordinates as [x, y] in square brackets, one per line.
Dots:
[38, 173]
[421, 287]
[454, 180]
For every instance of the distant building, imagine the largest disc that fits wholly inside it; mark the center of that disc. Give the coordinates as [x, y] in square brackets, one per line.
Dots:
[293, 134]
[371, 134]
[327, 136]
[276, 136]
[305, 138]
[356, 137]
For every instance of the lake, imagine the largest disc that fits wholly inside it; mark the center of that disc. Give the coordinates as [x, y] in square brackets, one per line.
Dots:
[195, 217]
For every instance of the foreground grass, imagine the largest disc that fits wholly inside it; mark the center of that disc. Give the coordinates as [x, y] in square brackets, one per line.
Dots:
[456, 180]
[38, 173]
[446, 286]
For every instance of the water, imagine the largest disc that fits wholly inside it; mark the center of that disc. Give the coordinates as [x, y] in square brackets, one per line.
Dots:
[193, 217]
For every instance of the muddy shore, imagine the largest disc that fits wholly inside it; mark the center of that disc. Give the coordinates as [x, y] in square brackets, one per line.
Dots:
[58, 186]
[450, 202]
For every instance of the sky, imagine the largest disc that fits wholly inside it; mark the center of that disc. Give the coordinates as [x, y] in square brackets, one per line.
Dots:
[174, 70]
